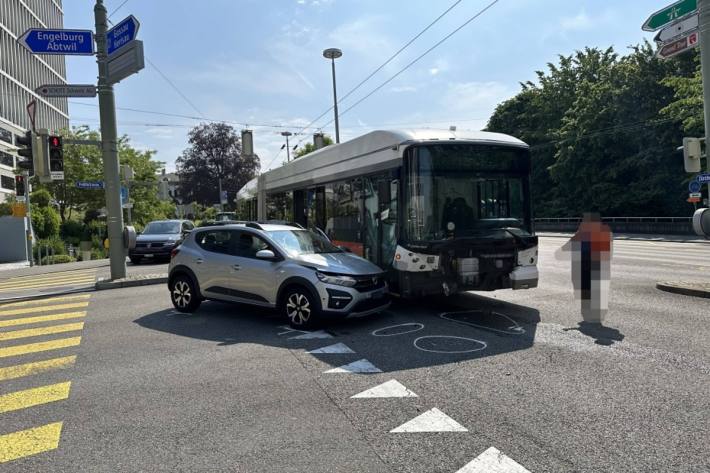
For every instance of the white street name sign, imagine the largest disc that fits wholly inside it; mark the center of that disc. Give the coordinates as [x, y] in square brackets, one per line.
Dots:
[66, 90]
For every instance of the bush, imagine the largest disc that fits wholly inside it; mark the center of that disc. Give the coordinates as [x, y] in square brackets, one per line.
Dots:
[45, 221]
[72, 229]
[57, 259]
[98, 254]
[5, 209]
[40, 198]
[53, 244]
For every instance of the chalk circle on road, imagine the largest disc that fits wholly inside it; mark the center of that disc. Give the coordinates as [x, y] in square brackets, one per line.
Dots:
[493, 321]
[449, 344]
[393, 330]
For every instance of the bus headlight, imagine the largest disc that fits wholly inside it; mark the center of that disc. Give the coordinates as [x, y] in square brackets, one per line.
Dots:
[338, 279]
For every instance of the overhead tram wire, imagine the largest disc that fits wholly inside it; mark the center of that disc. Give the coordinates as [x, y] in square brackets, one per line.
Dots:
[379, 68]
[118, 8]
[417, 59]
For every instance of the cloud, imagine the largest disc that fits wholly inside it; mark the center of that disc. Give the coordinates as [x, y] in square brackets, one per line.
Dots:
[403, 88]
[363, 36]
[475, 98]
[581, 21]
[161, 132]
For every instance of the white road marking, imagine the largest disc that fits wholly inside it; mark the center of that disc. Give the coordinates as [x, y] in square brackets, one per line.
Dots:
[330, 349]
[481, 344]
[359, 366]
[493, 461]
[417, 326]
[432, 420]
[391, 388]
[514, 329]
[311, 335]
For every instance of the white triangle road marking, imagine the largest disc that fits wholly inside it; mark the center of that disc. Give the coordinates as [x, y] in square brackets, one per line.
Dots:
[336, 348]
[312, 335]
[391, 388]
[493, 461]
[432, 420]
[359, 366]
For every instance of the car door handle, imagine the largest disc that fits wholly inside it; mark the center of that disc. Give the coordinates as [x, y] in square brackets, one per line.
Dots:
[199, 261]
[236, 267]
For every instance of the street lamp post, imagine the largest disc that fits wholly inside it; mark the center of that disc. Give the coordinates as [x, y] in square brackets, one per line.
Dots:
[333, 54]
[288, 149]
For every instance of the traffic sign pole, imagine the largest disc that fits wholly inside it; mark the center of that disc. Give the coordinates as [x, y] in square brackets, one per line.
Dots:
[704, 14]
[28, 216]
[109, 138]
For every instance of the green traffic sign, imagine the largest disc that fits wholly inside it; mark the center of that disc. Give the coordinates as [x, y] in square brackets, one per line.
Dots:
[670, 14]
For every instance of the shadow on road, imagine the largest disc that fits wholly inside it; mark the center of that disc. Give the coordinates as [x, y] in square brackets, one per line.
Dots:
[411, 334]
[602, 335]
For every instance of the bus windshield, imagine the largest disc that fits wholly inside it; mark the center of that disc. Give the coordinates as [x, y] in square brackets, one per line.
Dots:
[465, 190]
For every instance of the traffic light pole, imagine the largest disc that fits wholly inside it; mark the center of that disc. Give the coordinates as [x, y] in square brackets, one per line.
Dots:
[704, 29]
[109, 145]
[28, 215]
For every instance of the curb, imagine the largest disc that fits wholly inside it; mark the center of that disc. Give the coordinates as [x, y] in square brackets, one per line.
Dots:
[686, 290]
[104, 284]
[46, 295]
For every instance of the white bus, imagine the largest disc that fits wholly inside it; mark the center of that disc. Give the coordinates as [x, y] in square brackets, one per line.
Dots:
[442, 211]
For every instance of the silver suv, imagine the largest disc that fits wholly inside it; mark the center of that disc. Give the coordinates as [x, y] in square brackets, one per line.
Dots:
[295, 270]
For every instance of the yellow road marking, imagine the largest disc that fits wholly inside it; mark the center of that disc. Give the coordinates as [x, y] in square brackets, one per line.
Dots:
[54, 282]
[28, 369]
[56, 273]
[39, 346]
[29, 442]
[41, 318]
[46, 308]
[34, 397]
[49, 300]
[36, 332]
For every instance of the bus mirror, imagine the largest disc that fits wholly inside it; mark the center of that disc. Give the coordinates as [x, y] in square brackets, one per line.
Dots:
[383, 192]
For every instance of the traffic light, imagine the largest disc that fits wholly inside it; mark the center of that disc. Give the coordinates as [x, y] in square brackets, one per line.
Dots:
[56, 157]
[20, 185]
[28, 151]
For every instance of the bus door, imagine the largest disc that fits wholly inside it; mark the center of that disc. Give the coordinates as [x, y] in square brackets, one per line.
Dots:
[315, 208]
[299, 208]
[380, 241]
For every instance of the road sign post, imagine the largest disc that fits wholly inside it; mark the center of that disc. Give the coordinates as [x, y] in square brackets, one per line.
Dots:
[64, 42]
[109, 138]
[679, 45]
[677, 29]
[66, 90]
[121, 35]
[670, 14]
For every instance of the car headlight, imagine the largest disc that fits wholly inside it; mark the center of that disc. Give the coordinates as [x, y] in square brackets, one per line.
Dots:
[338, 279]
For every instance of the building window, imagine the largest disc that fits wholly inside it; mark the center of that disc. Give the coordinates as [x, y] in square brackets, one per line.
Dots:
[6, 159]
[7, 182]
[6, 136]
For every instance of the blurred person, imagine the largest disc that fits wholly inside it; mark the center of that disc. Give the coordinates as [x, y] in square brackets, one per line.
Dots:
[591, 248]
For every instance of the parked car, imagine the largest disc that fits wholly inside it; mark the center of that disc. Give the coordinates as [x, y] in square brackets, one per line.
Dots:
[295, 270]
[158, 239]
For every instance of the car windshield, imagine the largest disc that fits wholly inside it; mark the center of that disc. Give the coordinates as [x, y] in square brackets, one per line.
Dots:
[299, 242]
[162, 228]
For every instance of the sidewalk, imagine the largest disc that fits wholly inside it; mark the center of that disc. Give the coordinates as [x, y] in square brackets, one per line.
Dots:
[686, 288]
[13, 270]
[637, 236]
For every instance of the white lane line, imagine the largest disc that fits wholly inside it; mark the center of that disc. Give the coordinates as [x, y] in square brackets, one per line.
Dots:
[312, 335]
[391, 388]
[359, 366]
[493, 461]
[332, 349]
[432, 420]
[514, 329]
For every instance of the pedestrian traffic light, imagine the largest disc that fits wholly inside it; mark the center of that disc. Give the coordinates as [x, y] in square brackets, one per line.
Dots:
[56, 157]
[20, 185]
[28, 151]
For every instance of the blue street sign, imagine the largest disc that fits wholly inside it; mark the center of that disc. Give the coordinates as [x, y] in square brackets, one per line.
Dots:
[90, 184]
[124, 195]
[702, 178]
[70, 42]
[694, 186]
[121, 34]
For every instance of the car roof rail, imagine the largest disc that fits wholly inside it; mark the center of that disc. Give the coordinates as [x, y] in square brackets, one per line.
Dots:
[254, 225]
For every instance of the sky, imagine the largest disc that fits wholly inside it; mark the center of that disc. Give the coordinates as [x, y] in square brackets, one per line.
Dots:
[253, 63]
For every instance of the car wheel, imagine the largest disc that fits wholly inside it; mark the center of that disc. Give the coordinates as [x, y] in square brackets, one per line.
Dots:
[184, 294]
[135, 259]
[300, 308]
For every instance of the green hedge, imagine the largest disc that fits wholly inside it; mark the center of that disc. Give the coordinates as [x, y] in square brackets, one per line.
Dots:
[57, 259]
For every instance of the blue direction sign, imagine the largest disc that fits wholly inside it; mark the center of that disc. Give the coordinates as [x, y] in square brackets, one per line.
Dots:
[70, 42]
[694, 186]
[124, 195]
[121, 34]
[703, 178]
[90, 184]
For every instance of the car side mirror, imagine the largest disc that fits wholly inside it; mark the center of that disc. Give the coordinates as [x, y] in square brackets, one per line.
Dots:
[265, 254]
[345, 249]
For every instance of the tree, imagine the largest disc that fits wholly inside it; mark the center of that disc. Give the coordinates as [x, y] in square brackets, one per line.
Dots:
[310, 147]
[215, 153]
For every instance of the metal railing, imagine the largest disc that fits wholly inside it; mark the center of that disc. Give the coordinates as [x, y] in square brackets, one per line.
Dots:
[649, 225]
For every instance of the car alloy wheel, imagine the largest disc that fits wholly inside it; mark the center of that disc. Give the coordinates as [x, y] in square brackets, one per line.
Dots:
[298, 309]
[182, 294]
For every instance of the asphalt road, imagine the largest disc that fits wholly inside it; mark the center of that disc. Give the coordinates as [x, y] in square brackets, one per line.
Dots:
[231, 389]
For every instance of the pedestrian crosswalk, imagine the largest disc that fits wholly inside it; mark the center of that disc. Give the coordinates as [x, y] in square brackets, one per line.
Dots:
[35, 337]
[47, 281]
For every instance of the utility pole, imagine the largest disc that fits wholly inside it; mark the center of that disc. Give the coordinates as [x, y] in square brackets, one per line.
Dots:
[704, 29]
[28, 214]
[109, 145]
[288, 149]
[333, 54]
